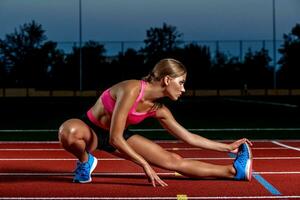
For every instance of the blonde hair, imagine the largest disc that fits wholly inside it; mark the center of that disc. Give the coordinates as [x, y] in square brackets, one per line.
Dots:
[164, 67]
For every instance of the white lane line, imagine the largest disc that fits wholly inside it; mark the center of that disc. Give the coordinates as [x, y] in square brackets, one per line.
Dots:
[169, 149]
[286, 146]
[218, 129]
[156, 141]
[94, 174]
[284, 173]
[113, 159]
[267, 148]
[29, 142]
[154, 197]
[255, 158]
[31, 149]
[160, 129]
[53, 159]
[121, 173]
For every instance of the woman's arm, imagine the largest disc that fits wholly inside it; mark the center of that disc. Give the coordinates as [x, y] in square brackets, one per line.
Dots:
[124, 101]
[172, 126]
[125, 98]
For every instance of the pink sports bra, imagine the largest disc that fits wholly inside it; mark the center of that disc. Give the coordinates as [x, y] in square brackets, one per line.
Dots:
[133, 116]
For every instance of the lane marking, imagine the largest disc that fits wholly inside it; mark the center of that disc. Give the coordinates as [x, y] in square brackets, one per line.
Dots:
[169, 149]
[154, 197]
[266, 184]
[113, 159]
[157, 129]
[54, 159]
[94, 174]
[182, 197]
[29, 142]
[156, 141]
[177, 174]
[272, 158]
[286, 146]
[278, 173]
[34, 149]
[122, 173]
[219, 129]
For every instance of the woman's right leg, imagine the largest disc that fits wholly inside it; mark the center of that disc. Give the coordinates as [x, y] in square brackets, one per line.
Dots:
[158, 156]
[77, 138]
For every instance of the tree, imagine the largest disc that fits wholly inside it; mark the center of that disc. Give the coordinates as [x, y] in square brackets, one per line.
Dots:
[289, 72]
[256, 71]
[198, 61]
[225, 72]
[130, 65]
[93, 66]
[19, 52]
[52, 62]
[160, 43]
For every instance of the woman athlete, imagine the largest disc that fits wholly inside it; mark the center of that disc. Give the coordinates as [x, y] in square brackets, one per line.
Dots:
[129, 102]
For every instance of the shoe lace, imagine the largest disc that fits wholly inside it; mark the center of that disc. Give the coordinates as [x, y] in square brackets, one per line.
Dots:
[82, 169]
[241, 158]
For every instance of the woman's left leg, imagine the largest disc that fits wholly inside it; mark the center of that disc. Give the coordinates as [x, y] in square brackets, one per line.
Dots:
[158, 156]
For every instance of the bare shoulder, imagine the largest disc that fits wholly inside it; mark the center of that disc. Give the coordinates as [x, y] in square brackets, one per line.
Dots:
[128, 87]
[163, 113]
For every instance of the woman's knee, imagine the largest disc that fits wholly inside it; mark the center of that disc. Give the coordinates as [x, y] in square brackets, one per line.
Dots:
[70, 131]
[173, 161]
[75, 131]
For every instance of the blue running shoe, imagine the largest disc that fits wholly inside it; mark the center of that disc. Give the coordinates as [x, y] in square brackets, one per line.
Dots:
[243, 163]
[83, 171]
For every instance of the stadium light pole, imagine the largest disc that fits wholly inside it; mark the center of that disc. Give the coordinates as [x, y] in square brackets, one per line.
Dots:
[274, 45]
[80, 47]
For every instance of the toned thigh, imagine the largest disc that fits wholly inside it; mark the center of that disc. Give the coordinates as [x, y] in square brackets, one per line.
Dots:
[153, 152]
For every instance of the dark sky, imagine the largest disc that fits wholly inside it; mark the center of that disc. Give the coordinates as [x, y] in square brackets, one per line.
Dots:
[116, 20]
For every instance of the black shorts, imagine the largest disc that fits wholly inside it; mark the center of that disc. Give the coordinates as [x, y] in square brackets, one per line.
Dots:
[103, 135]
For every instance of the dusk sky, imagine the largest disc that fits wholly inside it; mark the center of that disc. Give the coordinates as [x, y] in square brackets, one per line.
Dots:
[116, 20]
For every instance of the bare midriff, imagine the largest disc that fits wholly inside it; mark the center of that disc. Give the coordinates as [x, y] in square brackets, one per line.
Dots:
[101, 116]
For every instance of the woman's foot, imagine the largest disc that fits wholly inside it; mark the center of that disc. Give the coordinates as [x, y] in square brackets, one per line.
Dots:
[243, 163]
[84, 170]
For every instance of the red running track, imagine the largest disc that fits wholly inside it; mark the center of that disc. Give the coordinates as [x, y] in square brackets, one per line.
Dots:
[43, 170]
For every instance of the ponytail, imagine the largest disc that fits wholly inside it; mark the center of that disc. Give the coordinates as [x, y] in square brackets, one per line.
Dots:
[164, 67]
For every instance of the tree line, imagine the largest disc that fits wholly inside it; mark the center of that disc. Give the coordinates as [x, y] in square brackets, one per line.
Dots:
[29, 59]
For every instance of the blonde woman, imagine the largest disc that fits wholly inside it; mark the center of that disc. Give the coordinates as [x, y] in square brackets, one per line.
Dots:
[104, 126]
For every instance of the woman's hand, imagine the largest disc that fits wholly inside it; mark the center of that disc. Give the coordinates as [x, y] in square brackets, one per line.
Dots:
[234, 147]
[152, 176]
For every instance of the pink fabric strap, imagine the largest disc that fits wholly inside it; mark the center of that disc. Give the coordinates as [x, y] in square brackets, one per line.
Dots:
[133, 116]
[143, 85]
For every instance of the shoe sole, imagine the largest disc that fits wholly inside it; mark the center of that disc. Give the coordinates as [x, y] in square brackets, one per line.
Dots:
[92, 169]
[249, 164]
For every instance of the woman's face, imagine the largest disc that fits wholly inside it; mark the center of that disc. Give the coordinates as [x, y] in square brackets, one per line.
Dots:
[175, 86]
